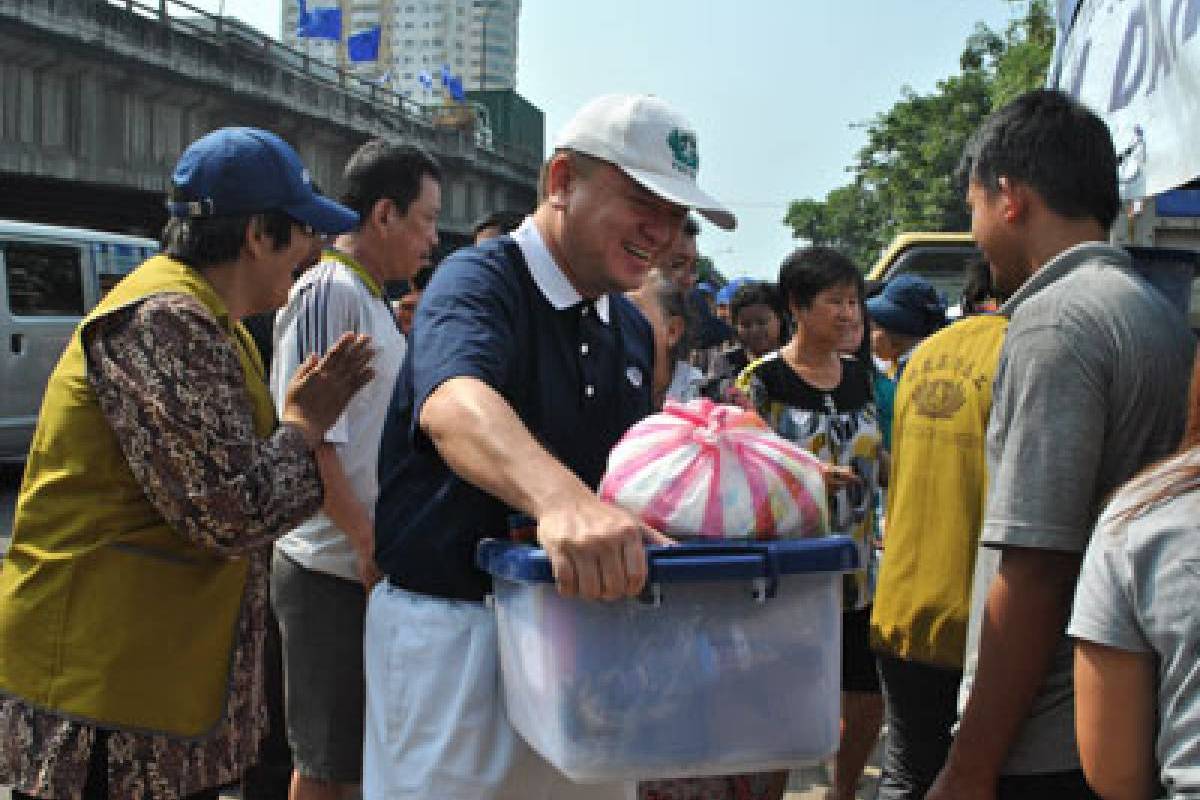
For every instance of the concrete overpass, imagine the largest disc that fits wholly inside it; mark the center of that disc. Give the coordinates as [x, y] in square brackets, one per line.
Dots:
[98, 100]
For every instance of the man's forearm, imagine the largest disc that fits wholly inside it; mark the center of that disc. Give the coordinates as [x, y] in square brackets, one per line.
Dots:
[484, 442]
[596, 550]
[1026, 614]
[342, 505]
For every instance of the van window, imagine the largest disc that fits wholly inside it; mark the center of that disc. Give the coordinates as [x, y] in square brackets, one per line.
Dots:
[44, 280]
[116, 260]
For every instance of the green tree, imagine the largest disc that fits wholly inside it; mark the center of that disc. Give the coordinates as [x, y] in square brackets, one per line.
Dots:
[904, 177]
[1025, 58]
[846, 220]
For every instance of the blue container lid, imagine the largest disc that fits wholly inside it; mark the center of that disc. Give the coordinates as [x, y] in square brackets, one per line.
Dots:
[706, 561]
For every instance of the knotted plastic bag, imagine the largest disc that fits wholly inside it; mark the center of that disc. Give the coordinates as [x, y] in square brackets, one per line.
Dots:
[705, 470]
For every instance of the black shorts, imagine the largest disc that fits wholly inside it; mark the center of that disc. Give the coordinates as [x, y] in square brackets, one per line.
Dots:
[860, 672]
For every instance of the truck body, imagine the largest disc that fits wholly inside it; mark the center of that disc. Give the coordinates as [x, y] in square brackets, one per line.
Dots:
[1162, 233]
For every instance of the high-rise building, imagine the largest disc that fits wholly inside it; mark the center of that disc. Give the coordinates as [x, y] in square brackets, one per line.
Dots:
[475, 40]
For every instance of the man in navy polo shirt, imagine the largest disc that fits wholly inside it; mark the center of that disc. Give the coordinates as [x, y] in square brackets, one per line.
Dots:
[526, 364]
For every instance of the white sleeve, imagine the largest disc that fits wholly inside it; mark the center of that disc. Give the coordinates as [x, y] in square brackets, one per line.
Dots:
[321, 307]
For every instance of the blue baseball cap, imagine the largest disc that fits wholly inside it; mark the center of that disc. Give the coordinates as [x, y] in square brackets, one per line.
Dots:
[908, 305]
[725, 296]
[248, 171]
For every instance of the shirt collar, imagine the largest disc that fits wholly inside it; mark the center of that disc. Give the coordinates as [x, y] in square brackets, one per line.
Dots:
[1060, 266]
[356, 268]
[548, 275]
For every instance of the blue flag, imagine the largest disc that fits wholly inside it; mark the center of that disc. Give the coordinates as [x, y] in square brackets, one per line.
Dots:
[426, 80]
[304, 19]
[320, 23]
[364, 45]
[456, 88]
[446, 76]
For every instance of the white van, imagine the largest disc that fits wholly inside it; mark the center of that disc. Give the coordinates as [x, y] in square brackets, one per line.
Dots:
[50, 276]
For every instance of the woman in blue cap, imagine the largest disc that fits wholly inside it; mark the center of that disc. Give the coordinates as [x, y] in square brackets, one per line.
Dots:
[133, 597]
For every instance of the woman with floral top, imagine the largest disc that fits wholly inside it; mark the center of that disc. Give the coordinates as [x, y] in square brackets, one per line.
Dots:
[133, 597]
[810, 393]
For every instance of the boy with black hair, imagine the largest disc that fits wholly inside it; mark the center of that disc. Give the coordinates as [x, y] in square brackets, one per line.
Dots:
[323, 569]
[1091, 386]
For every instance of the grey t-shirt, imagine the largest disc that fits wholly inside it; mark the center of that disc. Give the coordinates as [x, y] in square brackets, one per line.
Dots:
[1137, 592]
[1091, 386]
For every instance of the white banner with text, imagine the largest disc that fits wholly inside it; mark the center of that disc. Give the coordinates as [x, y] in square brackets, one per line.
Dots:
[1137, 64]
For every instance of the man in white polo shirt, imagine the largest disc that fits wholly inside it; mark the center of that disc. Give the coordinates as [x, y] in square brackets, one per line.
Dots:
[323, 570]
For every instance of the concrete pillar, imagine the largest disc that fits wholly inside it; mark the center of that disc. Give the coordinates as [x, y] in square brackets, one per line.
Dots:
[89, 131]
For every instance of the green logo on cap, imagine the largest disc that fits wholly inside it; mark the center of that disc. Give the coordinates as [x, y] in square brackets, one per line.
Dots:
[683, 147]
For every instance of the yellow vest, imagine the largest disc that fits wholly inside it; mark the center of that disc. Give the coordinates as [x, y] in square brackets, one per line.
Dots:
[107, 614]
[936, 494]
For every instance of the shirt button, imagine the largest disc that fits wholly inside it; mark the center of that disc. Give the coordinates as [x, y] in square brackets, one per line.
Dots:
[583, 311]
[583, 349]
[589, 390]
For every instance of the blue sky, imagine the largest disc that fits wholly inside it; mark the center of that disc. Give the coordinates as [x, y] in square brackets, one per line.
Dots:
[775, 88]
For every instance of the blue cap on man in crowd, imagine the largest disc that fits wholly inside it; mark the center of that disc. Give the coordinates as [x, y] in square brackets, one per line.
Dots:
[248, 171]
[909, 305]
[704, 287]
[725, 296]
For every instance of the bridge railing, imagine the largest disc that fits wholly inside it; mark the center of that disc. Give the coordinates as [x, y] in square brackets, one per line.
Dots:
[299, 71]
[186, 17]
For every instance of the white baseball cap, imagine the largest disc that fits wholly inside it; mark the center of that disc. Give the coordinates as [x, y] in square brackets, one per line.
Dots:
[651, 143]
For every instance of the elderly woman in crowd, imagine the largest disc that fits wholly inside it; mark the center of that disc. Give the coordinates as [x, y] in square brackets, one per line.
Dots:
[133, 598]
[665, 307]
[813, 394]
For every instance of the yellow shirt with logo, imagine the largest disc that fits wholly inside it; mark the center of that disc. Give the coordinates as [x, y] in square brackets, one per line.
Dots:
[936, 494]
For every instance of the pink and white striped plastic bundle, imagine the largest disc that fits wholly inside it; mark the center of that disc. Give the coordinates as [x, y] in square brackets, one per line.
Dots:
[705, 470]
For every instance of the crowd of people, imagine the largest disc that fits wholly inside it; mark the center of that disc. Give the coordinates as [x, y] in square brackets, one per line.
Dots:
[1019, 475]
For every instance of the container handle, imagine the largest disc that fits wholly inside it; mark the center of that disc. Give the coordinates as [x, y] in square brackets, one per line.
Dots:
[766, 584]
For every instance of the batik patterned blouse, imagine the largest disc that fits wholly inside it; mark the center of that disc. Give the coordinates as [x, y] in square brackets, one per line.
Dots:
[169, 382]
[840, 426]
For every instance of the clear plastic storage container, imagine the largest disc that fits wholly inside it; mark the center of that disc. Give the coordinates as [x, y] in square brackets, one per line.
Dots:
[730, 662]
